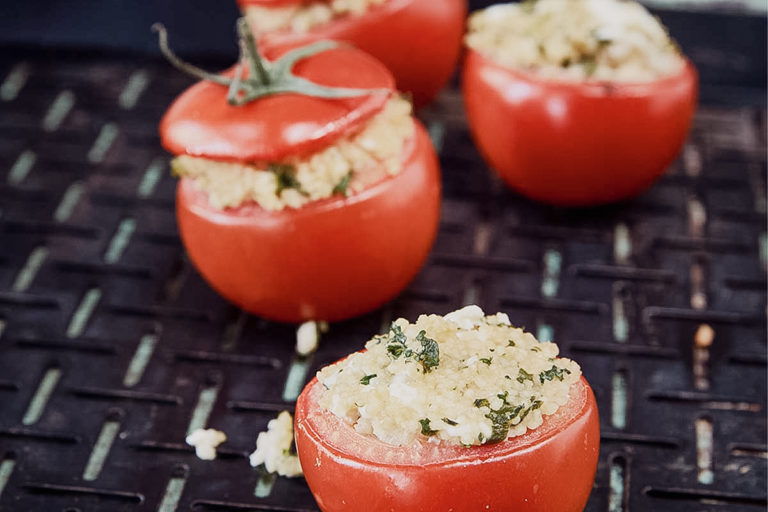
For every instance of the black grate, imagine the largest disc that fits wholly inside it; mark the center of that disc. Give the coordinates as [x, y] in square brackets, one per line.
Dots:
[110, 341]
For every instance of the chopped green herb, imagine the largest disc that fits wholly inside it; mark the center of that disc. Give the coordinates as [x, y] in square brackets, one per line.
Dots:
[450, 422]
[396, 341]
[429, 357]
[486, 360]
[480, 437]
[430, 352]
[501, 420]
[367, 379]
[523, 376]
[536, 349]
[341, 187]
[511, 343]
[285, 177]
[554, 373]
[503, 417]
[425, 429]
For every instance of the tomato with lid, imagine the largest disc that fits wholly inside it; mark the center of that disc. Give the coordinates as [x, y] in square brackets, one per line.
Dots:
[332, 256]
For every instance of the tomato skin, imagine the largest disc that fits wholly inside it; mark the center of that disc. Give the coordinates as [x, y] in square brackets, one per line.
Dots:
[328, 260]
[418, 41]
[545, 472]
[576, 144]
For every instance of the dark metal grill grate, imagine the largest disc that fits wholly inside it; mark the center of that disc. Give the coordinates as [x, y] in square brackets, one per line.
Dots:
[110, 341]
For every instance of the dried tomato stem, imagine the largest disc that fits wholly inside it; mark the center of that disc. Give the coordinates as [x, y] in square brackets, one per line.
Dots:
[179, 64]
[256, 62]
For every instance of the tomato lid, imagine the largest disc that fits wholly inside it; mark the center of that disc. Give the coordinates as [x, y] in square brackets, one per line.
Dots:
[201, 122]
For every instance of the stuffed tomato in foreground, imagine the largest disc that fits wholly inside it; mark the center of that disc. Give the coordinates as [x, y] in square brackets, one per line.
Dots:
[418, 41]
[308, 191]
[576, 103]
[462, 412]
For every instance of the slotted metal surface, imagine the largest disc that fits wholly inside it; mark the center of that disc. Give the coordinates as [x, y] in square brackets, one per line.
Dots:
[112, 347]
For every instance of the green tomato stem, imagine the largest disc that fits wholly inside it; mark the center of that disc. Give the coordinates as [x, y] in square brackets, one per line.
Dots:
[264, 77]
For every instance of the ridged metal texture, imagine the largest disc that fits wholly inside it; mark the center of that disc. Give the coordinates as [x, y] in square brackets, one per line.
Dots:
[112, 346]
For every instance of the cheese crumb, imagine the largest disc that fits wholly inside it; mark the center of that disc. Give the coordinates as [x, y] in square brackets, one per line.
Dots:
[603, 40]
[205, 442]
[302, 17]
[273, 447]
[465, 378]
[308, 336]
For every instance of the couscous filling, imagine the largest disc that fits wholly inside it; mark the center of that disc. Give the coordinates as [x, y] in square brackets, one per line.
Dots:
[602, 40]
[465, 378]
[302, 17]
[344, 168]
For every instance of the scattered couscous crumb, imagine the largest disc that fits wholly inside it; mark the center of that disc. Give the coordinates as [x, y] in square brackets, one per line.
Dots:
[205, 442]
[602, 40]
[273, 448]
[346, 167]
[465, 378]
[302, 17]
[308, 336]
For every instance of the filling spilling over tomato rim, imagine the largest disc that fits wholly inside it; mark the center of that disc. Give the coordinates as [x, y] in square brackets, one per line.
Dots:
[340, 439]
[345, 168]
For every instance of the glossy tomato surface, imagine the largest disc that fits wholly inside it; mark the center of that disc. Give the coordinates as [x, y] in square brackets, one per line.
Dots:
[549, 469]
[576, 144]
[418, 40]
[329, 260]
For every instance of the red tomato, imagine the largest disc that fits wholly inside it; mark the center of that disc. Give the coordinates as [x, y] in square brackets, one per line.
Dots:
[576, 144]
[418, 41]
[328, 260]
[551, 468]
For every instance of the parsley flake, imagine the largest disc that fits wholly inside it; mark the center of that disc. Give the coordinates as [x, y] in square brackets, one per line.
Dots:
[285, 177]
[523, 376]
[367, 379]
[554, 373]
[425, 429]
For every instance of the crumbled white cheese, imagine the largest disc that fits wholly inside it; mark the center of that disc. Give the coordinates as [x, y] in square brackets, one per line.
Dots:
[303, 16]
[205, 442]
[273, 447]
[608, 40]
[353, 163]
[308, 336]
[465, 378]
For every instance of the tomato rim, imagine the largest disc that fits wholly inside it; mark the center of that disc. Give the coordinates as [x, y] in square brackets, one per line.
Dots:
[592, 88]
[476, 454]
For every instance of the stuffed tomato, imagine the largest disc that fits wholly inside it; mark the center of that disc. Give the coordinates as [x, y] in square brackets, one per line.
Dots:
[418, 41]
[592, 106]
[462, 412]
[318, 200]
